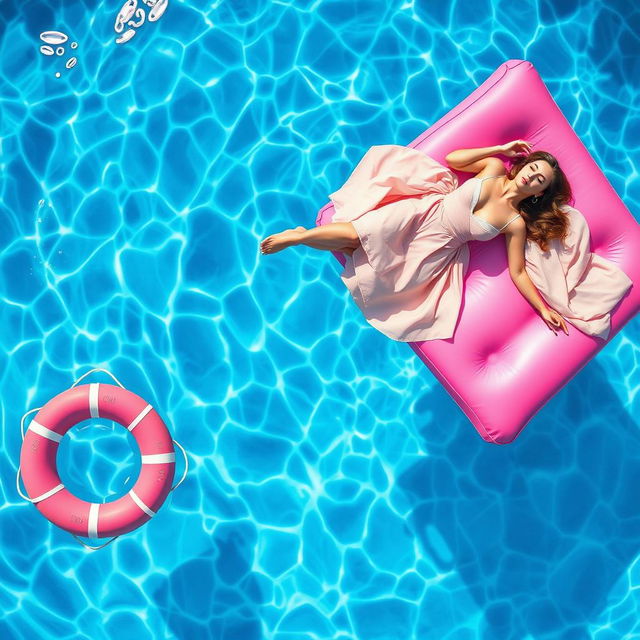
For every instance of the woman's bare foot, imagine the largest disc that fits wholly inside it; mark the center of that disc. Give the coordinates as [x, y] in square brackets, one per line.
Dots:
[282, 240]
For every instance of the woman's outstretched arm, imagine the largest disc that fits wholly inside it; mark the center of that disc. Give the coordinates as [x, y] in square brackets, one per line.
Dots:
[516, 238]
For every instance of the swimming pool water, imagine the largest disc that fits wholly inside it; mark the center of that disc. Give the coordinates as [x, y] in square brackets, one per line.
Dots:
[335, 490]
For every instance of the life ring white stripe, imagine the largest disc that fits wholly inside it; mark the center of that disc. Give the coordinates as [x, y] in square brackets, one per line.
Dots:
[141, 504]
[92, 527]
[94, 390]
[36, 427]
[159, 458]
[139, 417]
[48, 494]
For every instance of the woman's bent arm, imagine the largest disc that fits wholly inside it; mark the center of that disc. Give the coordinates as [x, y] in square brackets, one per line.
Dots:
[462, 157]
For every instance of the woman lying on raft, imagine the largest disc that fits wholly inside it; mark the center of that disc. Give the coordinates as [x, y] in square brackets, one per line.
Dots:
[534, 189]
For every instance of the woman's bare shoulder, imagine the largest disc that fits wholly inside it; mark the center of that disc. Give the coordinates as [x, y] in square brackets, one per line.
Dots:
[517, 227]
[492, 167]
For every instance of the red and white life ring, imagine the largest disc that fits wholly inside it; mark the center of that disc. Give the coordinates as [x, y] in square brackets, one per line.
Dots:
[40, 474]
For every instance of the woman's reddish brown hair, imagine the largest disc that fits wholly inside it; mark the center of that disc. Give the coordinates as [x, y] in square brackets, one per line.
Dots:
[545, 219]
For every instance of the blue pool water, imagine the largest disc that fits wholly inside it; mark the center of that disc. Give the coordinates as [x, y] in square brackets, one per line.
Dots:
[335, 490]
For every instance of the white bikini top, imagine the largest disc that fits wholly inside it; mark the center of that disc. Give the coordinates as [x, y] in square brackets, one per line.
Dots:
[474, 200]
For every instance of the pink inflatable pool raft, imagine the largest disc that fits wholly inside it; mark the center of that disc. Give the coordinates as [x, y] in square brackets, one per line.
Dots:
[502, 373]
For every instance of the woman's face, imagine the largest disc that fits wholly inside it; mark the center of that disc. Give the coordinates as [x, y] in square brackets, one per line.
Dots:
[534, 177]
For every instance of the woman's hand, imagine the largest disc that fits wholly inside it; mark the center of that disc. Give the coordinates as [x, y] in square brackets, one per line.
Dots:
[554, 320]
[516, 147]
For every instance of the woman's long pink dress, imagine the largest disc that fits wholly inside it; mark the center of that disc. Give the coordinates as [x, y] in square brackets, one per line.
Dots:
[414, 223]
